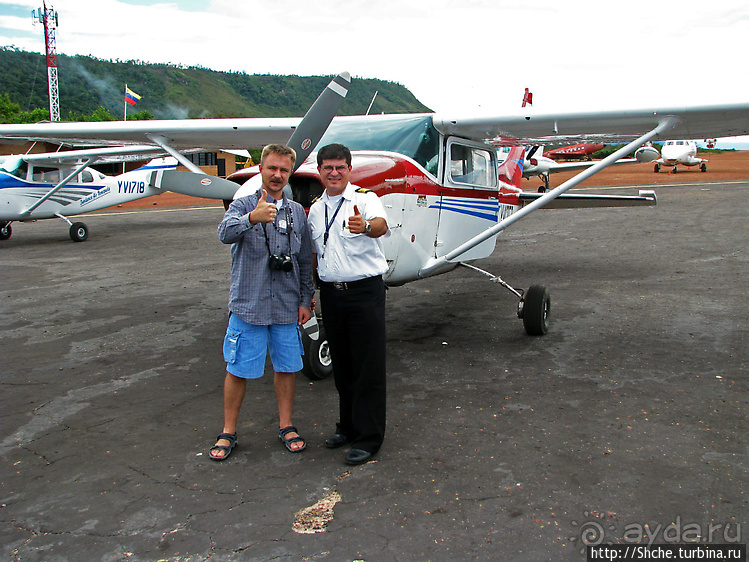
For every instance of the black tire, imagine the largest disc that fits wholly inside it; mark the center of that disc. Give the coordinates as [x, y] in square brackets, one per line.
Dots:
[5, 231]
[78, 232]
[316, 363]
[703, 167]
[657, 168]
[536, 309]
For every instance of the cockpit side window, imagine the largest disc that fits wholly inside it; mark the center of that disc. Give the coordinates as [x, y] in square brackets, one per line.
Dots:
[471, 165]
[46, 174]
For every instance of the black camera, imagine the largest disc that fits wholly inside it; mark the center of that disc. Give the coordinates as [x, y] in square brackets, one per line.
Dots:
[281, 262]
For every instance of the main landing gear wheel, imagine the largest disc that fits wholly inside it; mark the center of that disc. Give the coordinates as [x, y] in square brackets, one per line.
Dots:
[703, 167]
[534, 310]
[316, 363]
[78, 232]
[657, 168]
[5, 231]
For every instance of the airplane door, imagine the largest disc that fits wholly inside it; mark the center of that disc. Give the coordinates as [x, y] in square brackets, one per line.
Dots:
[469, 204]
[394, 204]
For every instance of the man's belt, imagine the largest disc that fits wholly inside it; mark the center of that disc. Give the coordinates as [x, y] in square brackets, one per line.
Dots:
[345, 285]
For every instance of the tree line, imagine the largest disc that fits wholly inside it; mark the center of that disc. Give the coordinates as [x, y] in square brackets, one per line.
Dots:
[91, 89]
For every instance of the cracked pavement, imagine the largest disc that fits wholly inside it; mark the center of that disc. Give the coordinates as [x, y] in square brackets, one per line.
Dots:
[632, 410]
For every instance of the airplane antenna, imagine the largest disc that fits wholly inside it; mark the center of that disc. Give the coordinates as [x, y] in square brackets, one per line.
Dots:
[48, 17]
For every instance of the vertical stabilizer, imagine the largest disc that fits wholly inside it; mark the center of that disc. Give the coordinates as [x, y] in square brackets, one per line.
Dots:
[511, 170]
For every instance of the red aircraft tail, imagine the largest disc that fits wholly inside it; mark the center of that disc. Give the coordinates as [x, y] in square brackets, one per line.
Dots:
[511, 170]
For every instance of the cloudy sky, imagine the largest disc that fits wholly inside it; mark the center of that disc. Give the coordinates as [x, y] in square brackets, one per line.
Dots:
[456, 56]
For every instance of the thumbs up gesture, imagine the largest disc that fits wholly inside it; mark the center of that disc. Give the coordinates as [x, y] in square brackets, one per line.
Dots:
[264, 212]
[356, 223]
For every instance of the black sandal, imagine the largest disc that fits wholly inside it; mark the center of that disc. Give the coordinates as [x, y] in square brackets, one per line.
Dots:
[227, 449]
[284, 431]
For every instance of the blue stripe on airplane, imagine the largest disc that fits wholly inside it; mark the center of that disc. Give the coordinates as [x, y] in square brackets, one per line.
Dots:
[474, 209]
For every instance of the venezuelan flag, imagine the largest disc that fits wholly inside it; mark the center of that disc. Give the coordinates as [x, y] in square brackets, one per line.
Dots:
[131, 97]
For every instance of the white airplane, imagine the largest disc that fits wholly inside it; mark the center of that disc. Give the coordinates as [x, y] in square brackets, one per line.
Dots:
[62, 184]
[538, 165]
[673, 153]
[446, 197]
[40, 186]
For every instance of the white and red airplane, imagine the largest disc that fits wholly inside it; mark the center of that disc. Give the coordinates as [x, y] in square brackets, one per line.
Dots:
[673, 153]
[437, 175]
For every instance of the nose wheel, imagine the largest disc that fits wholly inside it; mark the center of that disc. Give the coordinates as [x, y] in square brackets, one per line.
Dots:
[5, 231]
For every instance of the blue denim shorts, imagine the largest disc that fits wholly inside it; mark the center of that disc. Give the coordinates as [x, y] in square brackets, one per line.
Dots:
[245, 348]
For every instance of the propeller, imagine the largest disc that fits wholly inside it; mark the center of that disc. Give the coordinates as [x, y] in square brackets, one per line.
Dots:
[303, 140]
[311, 128]
[316, 121]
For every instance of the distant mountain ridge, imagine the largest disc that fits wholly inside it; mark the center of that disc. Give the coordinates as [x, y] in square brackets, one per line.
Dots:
[173, 92]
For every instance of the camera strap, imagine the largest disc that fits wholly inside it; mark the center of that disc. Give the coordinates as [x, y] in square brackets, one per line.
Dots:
[289, 227]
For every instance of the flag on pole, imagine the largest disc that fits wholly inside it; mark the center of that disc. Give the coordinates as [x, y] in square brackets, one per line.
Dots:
[131, 97]
[527, 97]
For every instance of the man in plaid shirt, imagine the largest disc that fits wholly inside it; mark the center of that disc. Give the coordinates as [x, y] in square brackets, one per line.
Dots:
[270, 296]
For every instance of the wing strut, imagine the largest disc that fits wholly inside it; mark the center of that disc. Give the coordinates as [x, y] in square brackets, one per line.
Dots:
[435, 265]
[59, 186]
[161, 141]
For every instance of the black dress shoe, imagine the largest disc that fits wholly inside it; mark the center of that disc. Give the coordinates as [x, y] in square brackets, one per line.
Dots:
[336, 440]
[358, 456]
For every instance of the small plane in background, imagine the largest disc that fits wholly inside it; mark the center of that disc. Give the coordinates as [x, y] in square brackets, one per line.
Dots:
[580, 151]
[537, 165]
[673, 153]
[60, 184]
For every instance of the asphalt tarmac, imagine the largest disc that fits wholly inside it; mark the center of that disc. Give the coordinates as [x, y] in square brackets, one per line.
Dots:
[626, 423]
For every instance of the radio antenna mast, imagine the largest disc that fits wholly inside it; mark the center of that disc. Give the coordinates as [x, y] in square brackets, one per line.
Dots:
[48, 17]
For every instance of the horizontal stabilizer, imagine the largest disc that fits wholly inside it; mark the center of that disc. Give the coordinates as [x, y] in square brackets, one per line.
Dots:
[196, 185]
[574, 200]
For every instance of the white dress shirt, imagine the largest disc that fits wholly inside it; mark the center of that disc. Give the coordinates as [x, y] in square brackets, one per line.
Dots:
[346, 256]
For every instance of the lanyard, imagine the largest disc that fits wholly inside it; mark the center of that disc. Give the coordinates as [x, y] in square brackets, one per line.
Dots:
[329, 224]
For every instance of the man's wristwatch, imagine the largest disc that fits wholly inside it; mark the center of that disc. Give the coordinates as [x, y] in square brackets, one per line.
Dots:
[367, 227]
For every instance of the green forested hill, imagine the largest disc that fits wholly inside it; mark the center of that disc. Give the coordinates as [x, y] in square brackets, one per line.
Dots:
[172, 92]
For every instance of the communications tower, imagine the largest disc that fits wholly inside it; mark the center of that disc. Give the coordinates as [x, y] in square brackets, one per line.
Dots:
[48, 17]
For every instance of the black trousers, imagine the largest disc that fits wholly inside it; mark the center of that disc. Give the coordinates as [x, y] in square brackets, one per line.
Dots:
[354, 321]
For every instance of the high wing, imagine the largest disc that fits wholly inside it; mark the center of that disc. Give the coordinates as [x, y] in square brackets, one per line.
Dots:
[516, 128]
[208, 134]
[609, 126]
[96, 154]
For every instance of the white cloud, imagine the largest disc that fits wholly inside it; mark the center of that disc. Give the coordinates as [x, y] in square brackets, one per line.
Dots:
[455, 56]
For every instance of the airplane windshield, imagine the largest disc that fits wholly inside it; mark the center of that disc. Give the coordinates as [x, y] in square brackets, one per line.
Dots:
[412, 136]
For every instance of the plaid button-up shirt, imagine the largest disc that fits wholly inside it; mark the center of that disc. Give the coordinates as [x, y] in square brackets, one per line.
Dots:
[260, 295]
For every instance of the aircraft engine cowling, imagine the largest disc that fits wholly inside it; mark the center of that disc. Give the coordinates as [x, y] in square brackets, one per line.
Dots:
[647, 154]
